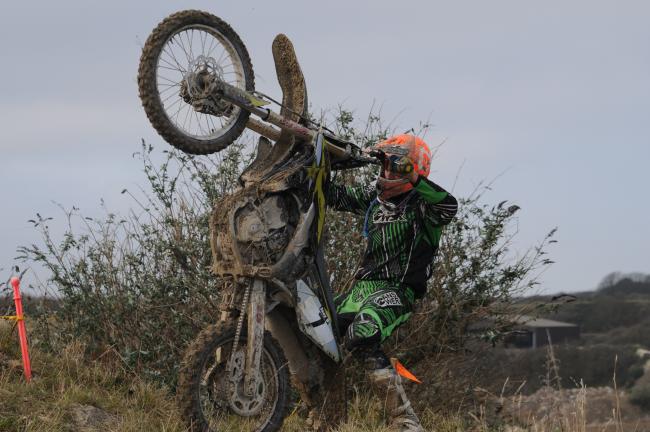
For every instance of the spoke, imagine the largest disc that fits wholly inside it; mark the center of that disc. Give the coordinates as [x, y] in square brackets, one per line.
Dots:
[169, 85]
[169, 107]
[211, 45]
[177, 115]
[171, 96]
[189, 42]
[187, 114]
[198, 122]
[167, 79]
[202, 39]
[209, 124]
[173, 56]
[211, 120]
[169, 68]
[180, 107]
[181, 44]
[161, 93]
[189, 122]
[191, 39]
[221, 56]
[163, 75]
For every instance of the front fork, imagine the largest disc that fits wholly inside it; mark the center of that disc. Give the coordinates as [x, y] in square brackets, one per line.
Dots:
[255, 340]
[218, 90]
[253, 307]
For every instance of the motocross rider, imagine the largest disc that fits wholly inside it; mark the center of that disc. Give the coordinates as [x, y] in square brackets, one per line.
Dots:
[403, 220]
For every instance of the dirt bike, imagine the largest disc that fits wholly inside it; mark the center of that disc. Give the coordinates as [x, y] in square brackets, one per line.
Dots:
[278, 315]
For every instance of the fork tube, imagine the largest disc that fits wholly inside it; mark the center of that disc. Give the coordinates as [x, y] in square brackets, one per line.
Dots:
[255, 340]
[263, 129]
[243, 99]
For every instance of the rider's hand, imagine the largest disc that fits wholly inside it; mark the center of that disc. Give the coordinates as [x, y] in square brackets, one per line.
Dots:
[372, 152]
[393, 164]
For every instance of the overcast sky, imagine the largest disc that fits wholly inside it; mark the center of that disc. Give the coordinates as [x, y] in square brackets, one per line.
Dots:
[553, 97]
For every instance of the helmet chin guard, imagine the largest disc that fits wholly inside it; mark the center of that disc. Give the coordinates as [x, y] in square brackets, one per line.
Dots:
[389, 188]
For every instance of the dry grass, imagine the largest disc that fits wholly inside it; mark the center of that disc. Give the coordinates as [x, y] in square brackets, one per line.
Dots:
[66, 384]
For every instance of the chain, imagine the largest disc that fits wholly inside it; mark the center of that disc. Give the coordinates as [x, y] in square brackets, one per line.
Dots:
[240, 324]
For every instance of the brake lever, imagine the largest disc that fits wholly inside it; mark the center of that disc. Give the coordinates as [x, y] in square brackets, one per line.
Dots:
[374, 157]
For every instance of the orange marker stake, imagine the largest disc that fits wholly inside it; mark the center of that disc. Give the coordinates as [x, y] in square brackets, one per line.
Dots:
[22, 333]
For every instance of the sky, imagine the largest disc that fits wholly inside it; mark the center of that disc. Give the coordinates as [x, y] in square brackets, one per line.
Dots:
[549, 100]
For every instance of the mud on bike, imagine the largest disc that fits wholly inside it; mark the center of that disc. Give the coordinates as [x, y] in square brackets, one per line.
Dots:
[277, 316]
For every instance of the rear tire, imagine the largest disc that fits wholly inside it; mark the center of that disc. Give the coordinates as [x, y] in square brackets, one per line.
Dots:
[197, 368]
[161, 40]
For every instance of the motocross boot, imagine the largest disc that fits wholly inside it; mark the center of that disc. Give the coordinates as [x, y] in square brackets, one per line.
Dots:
[389, 386]
[314, 422]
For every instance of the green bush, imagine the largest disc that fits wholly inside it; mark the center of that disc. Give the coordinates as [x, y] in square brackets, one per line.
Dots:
[640, 396]
[140, 285]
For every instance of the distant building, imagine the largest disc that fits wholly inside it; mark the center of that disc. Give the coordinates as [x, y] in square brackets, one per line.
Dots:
[535, 332]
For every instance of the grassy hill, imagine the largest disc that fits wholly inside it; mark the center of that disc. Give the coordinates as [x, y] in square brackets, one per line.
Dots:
[71, 392]
[614, 323]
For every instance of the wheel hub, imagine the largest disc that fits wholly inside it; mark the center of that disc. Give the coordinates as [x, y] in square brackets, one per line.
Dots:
[196, 87]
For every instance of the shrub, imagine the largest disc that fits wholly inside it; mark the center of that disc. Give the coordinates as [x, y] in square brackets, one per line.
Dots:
[640, 396]
[140, 284]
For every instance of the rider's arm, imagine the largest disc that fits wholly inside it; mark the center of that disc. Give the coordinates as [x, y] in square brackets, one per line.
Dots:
[349, 198]
[439, 205]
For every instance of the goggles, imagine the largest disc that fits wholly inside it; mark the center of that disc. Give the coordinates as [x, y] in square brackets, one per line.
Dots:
[397, 164]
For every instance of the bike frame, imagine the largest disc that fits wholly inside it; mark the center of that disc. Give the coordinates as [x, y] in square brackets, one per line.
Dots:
[330, 153]
[318, 175]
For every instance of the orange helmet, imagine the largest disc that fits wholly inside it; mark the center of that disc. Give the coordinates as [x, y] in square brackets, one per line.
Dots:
[410, 146]
[408, 152]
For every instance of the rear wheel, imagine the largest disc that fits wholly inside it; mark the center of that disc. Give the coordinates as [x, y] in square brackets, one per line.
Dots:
[213, 399]
[193, 42]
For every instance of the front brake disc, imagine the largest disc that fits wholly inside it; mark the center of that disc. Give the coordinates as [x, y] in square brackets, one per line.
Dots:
[241, 403]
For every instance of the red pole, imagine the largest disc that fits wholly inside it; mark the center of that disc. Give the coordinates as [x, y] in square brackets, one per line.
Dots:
[22, 333]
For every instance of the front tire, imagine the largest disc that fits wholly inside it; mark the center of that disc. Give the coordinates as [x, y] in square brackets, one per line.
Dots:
[203, 391]
[177, 46]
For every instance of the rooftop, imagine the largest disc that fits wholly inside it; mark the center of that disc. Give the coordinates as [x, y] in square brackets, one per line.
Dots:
[529, 321]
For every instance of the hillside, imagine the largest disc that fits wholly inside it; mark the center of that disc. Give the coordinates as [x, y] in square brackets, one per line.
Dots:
[613, 321]
[71, 392]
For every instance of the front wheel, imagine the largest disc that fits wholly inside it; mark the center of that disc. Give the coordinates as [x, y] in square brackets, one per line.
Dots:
[212, 399]
[185, 44]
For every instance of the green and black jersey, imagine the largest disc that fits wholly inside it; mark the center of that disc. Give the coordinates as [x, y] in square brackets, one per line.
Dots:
[403, 234]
